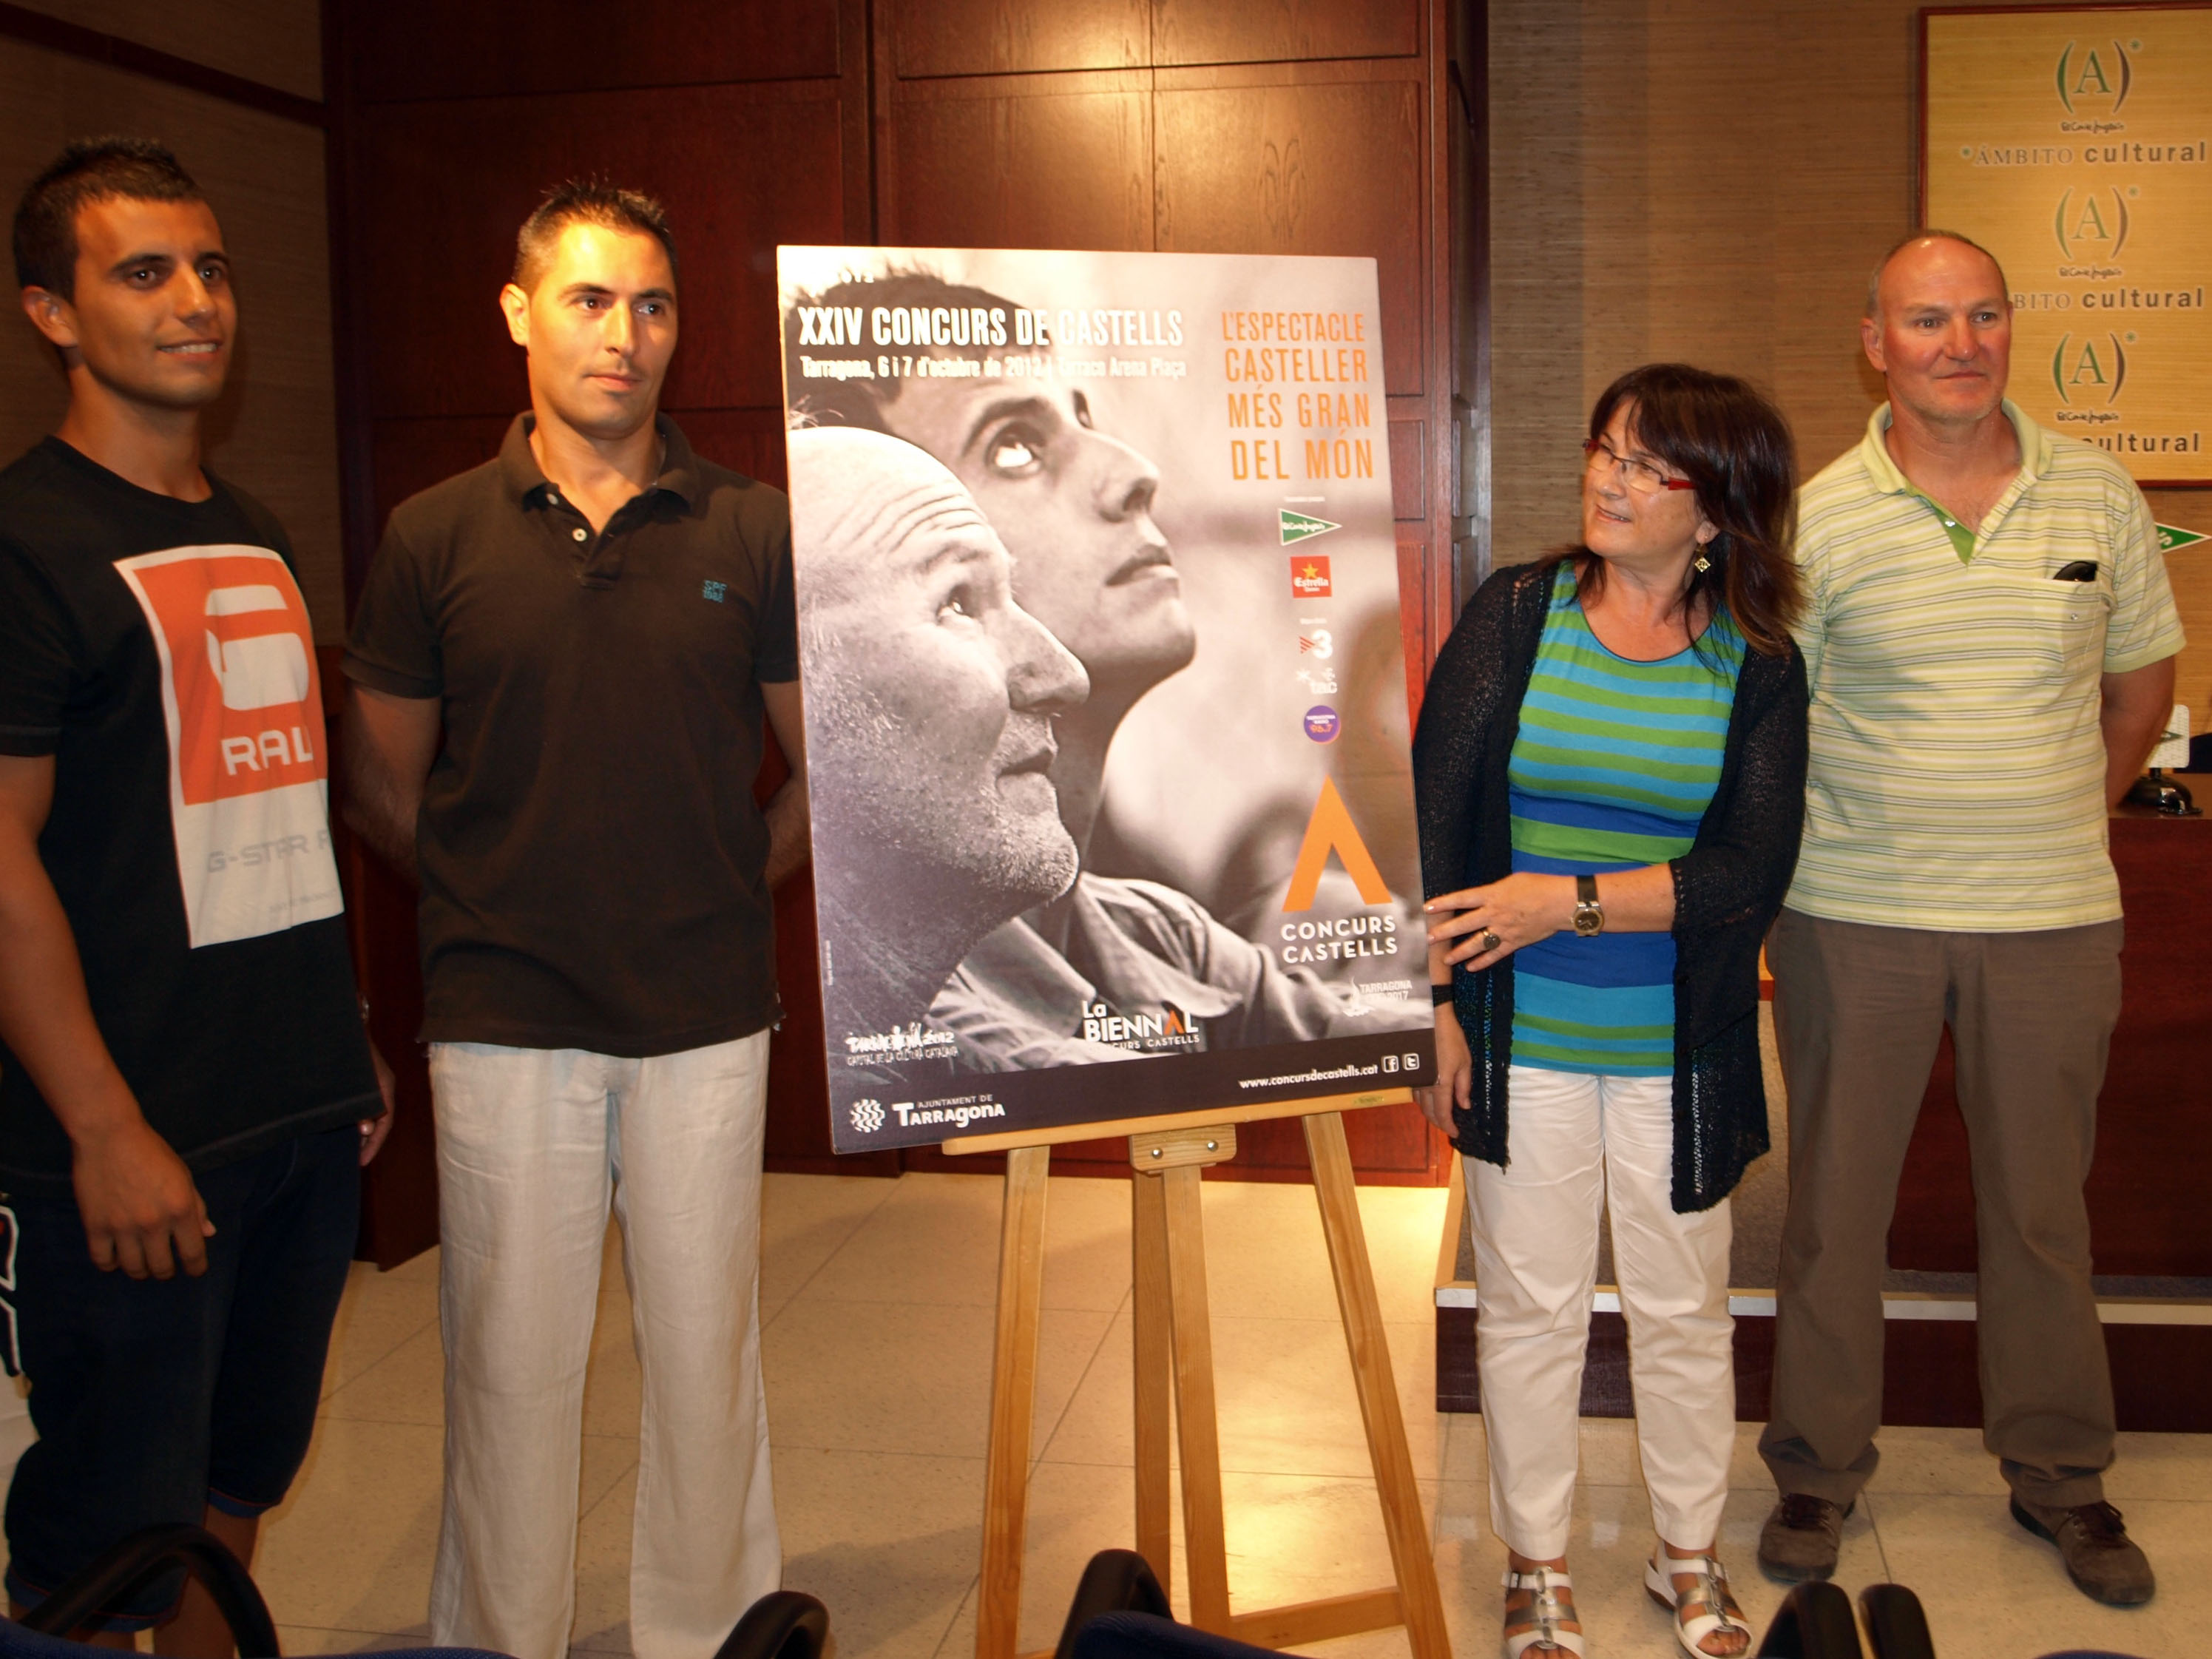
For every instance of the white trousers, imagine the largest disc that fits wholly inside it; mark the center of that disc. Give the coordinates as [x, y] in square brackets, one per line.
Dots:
[1573, 1141]
[532, 1144]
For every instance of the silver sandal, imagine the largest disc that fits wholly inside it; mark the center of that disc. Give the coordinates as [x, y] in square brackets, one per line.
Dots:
[1548, 1611]
[1708, 1591]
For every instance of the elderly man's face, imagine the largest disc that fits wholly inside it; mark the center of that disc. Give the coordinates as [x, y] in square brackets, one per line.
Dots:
[1943, 340]
[930, 691]
[1075, 508]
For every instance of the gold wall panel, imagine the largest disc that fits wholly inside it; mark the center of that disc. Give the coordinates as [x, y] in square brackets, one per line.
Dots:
[2072, 143]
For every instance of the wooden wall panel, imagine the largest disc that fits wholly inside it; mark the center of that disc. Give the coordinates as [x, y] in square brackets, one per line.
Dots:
[957, 123]
[1009, 37]
[278, 43]
[1216, 136]
[739, 168]
[1408, 469]
[750, 121]
[435, 49]
[1303, 159]
[1054, 162]
[1271, 31]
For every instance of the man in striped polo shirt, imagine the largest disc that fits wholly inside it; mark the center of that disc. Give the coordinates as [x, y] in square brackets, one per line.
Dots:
[1990, 641]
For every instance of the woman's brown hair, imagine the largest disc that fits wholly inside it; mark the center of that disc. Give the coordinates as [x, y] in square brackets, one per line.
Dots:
[1730, 441]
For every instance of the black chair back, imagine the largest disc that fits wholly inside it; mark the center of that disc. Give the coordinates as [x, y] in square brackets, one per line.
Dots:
[1894, 1623]
[782, 1625]
[1149, 1636]
[1115, 1581]
[1814, 1622]
[145, 1556]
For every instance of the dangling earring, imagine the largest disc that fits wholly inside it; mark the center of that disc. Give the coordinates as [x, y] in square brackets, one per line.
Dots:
[1701, 563]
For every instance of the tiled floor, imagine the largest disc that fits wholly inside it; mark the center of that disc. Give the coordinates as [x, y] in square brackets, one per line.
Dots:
[877, 1307]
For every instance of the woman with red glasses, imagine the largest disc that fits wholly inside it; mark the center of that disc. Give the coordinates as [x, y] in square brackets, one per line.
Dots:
[1610, 772]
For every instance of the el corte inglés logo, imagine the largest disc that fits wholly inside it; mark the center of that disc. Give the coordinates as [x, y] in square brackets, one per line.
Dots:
[1299, 526]
[2088, 367]
[2091, 75]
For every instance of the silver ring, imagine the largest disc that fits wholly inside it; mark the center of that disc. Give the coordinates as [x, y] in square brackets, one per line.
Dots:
[1490, 940]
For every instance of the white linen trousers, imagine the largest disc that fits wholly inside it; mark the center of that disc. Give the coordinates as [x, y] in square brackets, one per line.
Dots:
[1574, 1139]
[532, 1144]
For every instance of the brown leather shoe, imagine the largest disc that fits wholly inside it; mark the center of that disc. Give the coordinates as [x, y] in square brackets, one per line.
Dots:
[2105, 1563]
[1801, 1538]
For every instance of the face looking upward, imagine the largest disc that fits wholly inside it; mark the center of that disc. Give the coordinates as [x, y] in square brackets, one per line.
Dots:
[930, 692]
[153, 317]
[599, 326]
[1944, 336]
[1074, 508]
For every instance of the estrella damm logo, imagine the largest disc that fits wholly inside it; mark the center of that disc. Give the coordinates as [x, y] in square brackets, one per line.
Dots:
[2088, 367]
[2092, 74]
[2091, 230]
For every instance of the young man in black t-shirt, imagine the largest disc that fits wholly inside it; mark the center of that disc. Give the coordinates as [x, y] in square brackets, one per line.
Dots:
[186, 1091]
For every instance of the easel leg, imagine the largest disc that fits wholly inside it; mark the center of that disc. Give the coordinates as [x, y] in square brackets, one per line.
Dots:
[1154, 1366]
[1363, 1333]
[1203, 1542]
[1013, 1394]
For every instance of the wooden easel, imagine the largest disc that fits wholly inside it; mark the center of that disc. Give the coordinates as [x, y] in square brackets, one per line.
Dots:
[1175, 1351]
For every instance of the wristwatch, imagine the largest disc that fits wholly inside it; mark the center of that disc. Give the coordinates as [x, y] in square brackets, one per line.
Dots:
[1589, 914]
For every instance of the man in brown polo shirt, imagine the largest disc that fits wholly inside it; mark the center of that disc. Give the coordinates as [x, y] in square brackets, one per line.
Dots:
[595, 623]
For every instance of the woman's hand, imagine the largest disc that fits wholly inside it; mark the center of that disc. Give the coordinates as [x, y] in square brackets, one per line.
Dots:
[1455, 1072]
[1494, 922]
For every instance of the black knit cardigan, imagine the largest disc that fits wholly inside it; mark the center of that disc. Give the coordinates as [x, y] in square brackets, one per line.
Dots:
[1727, 888]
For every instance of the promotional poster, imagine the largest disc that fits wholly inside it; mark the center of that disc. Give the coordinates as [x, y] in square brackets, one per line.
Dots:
[1106, 713]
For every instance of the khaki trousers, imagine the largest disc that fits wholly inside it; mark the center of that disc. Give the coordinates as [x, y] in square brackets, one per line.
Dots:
[1858, 1011]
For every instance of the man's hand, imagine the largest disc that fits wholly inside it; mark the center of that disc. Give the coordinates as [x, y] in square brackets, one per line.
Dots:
[142, 1212]
[375, 1129]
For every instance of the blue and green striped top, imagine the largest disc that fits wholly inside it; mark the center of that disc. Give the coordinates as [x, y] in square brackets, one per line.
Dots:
[1615, 765]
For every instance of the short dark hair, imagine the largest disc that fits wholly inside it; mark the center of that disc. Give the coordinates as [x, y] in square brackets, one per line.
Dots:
[860, 402]
[1927, 234]
[589, 201]
[87, 170]
[1734, 445]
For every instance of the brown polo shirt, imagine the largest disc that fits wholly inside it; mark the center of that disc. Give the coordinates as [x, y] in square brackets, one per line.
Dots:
[592, 860]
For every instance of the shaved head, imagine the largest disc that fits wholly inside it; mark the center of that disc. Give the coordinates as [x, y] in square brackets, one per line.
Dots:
[930, 693]
[1873, 312]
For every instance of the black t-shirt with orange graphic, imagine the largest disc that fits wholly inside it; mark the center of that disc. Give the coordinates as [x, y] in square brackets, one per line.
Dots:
[160, 652]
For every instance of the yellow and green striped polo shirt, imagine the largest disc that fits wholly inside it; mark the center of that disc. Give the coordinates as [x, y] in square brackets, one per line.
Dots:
[1957, 767]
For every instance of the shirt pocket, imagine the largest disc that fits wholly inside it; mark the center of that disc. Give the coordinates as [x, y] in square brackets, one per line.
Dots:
[2058, 628]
